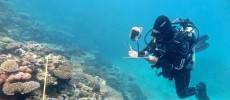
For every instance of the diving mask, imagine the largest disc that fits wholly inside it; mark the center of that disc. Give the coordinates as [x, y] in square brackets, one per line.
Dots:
[157, 36]
[155, 33]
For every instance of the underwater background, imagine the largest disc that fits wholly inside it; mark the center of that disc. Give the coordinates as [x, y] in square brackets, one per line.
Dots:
[102, 28]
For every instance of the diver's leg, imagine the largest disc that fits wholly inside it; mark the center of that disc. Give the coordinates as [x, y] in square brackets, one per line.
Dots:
[181, 82]
[202, 91]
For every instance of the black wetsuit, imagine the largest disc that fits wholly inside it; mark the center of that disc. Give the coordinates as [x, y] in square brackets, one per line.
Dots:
[176, 62]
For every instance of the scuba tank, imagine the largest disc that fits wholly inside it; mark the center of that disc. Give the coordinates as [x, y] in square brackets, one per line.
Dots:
[184, 41]
[186, 33]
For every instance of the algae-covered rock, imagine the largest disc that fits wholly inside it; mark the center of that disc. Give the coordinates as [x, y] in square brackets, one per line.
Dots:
[6, 39]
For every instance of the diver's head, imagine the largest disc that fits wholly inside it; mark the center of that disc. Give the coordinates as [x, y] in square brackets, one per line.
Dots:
[162, 28]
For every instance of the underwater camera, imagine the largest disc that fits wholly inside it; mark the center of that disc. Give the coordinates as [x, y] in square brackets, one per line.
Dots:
[135, 33]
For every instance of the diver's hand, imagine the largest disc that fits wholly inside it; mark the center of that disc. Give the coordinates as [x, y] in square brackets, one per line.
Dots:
[133, 54]
[152, 59]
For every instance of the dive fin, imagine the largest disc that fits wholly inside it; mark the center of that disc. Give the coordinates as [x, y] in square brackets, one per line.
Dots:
[203, 38]
[201, 43]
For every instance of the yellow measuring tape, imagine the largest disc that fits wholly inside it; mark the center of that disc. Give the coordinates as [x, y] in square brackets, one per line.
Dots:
[44, 89]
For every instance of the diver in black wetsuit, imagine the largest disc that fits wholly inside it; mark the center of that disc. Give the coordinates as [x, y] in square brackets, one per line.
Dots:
[174, 54]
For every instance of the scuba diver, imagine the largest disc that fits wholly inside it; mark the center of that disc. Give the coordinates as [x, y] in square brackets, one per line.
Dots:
[173, 50]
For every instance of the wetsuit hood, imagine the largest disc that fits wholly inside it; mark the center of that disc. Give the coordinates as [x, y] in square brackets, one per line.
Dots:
[164, 27]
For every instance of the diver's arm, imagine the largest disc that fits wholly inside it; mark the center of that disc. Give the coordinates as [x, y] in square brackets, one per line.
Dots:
[152, 59]
[158, 62]
[147, 50]
[179, 59]
[133, 54]
[164, 63]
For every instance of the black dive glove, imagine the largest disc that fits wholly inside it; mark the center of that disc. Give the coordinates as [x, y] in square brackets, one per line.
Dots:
[141, 54]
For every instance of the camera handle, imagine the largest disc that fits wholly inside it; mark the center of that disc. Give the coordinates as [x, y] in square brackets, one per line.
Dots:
[138, 45]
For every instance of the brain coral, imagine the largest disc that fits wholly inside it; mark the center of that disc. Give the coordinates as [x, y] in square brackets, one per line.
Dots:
[9, 66]
[10, 89]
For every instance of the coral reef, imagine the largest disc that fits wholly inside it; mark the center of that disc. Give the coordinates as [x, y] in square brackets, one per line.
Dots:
[26, 87]
[50, 80]
[102, 68]
[89, 87]
[122, 82]
[22, 70]
[9, 66]
[62, 73]
[72, 72]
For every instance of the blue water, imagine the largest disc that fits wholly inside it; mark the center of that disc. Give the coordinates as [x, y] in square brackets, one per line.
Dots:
[104, 25]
